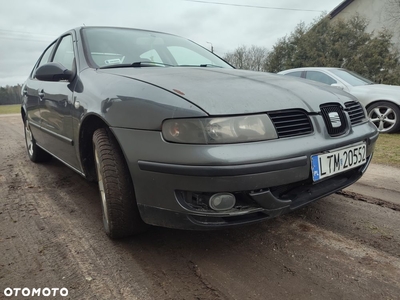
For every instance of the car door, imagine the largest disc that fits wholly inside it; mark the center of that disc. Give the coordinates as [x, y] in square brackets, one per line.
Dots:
[31, 90]
[55, 102]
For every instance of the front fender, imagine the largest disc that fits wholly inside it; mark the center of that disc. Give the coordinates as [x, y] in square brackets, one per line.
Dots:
[129, 103]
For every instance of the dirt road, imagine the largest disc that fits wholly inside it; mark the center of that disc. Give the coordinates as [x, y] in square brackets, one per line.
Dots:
[51, 236]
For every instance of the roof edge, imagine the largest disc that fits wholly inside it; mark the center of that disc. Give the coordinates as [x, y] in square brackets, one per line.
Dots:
[339, 8]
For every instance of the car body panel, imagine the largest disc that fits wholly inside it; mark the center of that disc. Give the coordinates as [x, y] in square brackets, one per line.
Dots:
[129, 103]
[369, 94]
[366, 94]
[154, 148]
[56, 122]
[220, 91]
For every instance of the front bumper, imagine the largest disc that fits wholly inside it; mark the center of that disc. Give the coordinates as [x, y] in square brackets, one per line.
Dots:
[268, 178]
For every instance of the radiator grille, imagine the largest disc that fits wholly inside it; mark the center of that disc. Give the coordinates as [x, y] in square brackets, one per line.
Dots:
[356, 112]
[291, 123]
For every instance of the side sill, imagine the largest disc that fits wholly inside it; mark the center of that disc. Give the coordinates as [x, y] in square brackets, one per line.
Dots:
[65, 163]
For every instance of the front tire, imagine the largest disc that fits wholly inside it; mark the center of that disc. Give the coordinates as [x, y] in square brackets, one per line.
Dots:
[35, 153]
[121, 217]
[385, 116]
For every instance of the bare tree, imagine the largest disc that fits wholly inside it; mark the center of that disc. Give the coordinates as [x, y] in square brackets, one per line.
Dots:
[252, 58]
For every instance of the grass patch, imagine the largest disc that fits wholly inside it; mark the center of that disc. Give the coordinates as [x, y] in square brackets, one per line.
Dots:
[387, 150]
[10, 109]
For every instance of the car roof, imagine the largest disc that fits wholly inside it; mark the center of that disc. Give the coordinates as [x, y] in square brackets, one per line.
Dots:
[77, 29]
[312, 68]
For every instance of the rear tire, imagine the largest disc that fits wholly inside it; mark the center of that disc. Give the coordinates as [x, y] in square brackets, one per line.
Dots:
[121, 217]
[35, 153]
[385, 116]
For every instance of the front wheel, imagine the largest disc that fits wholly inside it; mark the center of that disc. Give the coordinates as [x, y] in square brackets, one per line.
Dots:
[385, 116]
[121, 217]
[35, 153]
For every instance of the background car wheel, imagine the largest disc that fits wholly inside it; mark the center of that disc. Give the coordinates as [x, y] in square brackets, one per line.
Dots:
[35, 153]
[385, 116]
[121, 216]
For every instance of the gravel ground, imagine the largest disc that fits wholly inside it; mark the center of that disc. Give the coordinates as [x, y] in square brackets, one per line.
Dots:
[346, 246]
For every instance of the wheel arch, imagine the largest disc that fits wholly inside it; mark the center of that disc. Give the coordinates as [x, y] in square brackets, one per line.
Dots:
[87, 128]
[381, 100]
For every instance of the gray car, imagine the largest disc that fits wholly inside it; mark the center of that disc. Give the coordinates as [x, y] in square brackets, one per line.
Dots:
[176, 137]
[381, 101]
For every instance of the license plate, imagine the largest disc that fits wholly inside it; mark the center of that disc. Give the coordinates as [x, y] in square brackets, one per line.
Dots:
[337, 161]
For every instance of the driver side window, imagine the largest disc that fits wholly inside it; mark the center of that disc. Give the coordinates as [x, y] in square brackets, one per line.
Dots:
[65, 52]
[45, 58]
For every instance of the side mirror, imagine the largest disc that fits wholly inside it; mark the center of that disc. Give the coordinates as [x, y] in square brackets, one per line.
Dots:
[53, 72]
[337, 85]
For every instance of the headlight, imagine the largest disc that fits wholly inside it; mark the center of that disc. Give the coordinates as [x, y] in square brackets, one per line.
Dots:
[223, 130]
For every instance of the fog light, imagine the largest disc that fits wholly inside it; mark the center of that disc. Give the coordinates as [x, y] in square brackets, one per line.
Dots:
[222, 201]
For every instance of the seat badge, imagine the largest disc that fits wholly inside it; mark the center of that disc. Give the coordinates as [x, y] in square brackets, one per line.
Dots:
[335, 119]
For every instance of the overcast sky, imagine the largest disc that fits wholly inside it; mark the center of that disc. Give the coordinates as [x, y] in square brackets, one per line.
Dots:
[28, 27]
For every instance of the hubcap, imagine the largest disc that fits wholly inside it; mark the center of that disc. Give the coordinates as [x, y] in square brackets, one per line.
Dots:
[102, 192]
[383, 117]
[28, 138]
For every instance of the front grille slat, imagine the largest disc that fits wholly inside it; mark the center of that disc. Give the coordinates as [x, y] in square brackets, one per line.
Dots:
[291, 123]
[356, 112]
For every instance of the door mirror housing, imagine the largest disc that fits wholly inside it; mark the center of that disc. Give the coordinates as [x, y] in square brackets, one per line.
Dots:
[53, 72]
[338, 85]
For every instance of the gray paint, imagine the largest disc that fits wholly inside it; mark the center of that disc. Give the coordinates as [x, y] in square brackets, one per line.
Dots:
[228, 91]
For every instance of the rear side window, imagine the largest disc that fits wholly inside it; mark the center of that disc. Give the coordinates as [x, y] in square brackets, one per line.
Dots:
[320, 77]
[294, 74]
[65, 52]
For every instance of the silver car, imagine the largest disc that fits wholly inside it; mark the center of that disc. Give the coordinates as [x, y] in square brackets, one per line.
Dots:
[176, 137]
[381, 101]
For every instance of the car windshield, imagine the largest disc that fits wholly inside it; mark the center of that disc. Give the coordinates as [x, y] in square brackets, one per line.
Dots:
[122, 47]
[351, 78]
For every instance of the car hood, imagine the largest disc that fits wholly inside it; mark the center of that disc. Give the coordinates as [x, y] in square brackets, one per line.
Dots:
[374, 92]
[230, 91]
[378, 88]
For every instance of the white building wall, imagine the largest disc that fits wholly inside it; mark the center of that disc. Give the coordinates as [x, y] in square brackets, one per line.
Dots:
[379, 14]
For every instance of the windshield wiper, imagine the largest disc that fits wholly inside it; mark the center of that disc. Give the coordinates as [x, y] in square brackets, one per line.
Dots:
[137, 64]
[201, 65]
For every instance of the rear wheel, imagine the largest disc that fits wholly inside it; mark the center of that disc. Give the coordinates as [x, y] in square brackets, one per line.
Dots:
[385, 116]
[35, 153]
[121, 216]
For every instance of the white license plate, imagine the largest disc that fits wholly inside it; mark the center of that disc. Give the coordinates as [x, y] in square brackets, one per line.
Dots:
[337, 161]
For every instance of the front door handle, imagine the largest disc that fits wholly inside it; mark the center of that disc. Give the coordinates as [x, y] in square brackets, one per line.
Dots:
[41, 94]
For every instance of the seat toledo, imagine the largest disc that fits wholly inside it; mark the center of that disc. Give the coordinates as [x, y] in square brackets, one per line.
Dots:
[177, 137]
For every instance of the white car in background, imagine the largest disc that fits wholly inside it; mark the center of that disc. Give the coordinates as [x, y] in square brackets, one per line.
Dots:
[381, 101]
